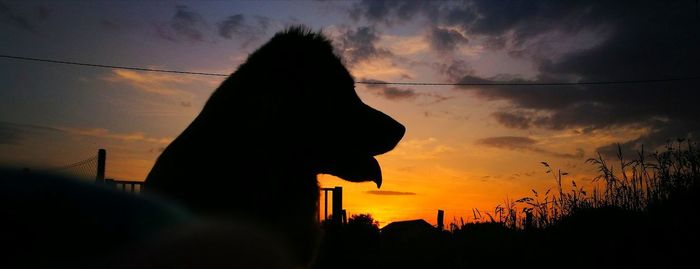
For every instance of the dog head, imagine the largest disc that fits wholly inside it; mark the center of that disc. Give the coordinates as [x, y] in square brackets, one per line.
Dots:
[302, 101]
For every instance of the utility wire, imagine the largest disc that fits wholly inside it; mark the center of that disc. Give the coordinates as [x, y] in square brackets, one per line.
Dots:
[110, 66]
[372, 82]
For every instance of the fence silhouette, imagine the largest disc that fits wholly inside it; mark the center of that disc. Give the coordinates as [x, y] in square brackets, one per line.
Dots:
[95, 166]
[338, 215]
[92, 167]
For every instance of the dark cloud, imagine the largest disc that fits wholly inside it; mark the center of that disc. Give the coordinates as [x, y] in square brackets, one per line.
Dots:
[263, 22]
[523, 20]
[238, 27]
[391, 193]
[42, 13]
[360, 44]
[394, 93]
[110, 25]
[23, 20]
[520, 143]
[233, 25]
[445, 40]
[10, 135]
[391, 93]
[397, 93]
[14, 133]
[575, 41]
[185, 25]
[513, 120]
[454, 71]
[643, 40]
[520, 19]
[393, 11]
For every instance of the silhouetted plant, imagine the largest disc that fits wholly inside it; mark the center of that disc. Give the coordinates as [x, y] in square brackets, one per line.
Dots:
[632, 185]
[363, 221]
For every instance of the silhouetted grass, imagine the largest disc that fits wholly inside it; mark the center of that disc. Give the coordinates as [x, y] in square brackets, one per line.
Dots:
[626, 184]
[643, 213]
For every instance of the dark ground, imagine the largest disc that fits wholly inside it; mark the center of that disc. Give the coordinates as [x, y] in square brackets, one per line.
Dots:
[664, 236]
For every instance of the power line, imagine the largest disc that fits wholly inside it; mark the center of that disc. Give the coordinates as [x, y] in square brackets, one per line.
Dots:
[533, 83]
[372, 82]
[111, 66]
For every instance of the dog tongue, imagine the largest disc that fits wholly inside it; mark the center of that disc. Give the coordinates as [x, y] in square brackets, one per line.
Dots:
[374, 172]
[359, 170]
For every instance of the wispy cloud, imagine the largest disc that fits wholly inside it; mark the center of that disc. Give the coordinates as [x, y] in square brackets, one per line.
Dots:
[396, 93]
[156, 83]
[404, 45]
[420, 149]
[445, 40]
[14, 133]
[11, 133]
[105, 133]
[185, 24]
[390, 92]
[380, 68]
[521, 143]
[245, 28]
[360, 44]
[23, 19]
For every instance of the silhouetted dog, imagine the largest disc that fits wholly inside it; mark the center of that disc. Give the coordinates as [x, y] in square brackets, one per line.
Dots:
[287, 114]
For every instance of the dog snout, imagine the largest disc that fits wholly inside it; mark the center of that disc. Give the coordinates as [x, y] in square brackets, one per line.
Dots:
[384, 132]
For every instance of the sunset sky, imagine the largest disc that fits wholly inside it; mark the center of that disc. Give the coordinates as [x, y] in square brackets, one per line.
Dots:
[465, 146]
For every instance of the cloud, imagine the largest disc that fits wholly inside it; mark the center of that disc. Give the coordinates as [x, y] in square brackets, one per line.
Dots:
[421, 149]
[390, 12]
[520, 143]
[233, 25]
[379, 68]
[507, 142]
[445, 40]
[401, 45]
[238, 27]
[23, 20]
[105, 133]
[185, 25]
[389, 92]
[10, 135]
[455, 70]
[14, 133]
[395, 93]
[360, 44]
[513, 120]
[155, 83]
[110, 25]
[576, 41]
[396, 193]
[368, 53]
[42, 12]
